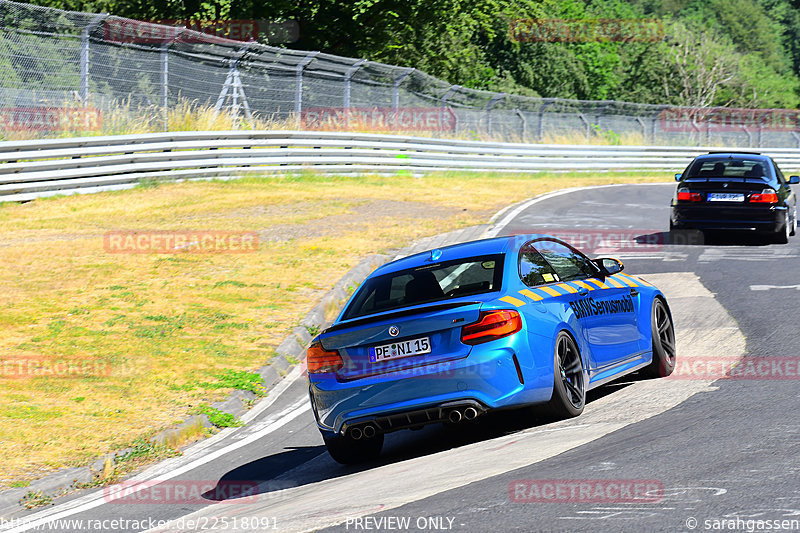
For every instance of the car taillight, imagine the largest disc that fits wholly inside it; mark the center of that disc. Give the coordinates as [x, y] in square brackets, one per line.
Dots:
[767, 196]
[491, 325]
[688, 196]
[320, 360]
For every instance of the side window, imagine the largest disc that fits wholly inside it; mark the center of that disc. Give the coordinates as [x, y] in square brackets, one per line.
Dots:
[781, 179]
[568, 264]
[533, 269]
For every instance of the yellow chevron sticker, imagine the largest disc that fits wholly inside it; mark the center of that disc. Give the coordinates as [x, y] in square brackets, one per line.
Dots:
[532, 295]
[634, 279]
[613, 281]
[550, 290]
[568, 288]
[516, 302]
[584, 285]
[598, 283]
[627, 280]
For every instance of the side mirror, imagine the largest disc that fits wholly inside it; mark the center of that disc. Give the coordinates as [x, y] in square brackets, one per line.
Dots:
[678, 176]
[794, 180]
[609, 265]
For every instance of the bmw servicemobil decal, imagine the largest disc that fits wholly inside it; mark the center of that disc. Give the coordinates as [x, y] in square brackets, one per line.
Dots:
[592, 307]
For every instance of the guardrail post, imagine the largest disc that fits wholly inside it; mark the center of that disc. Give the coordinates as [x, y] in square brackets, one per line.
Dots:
[298, 94]
[396, 88]
[84, 94]
[349, 76]
[796, 138]
[496, 98]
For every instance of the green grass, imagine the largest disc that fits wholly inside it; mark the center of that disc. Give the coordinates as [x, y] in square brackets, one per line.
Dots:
[166, 333]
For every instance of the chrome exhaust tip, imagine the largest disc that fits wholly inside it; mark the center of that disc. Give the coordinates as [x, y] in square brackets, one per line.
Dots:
[355, 433]
[470, 413]
[369, 431]
[454, 416]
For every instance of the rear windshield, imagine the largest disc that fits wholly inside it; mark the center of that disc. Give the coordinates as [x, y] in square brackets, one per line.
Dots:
[725, 167]
[429, 283]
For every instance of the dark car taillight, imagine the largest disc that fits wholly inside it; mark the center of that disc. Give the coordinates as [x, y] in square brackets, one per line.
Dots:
[767, 196]
[319, 360]
[685, 195]
[491, 325]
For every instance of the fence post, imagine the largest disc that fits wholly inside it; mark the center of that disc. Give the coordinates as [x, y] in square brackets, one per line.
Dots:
[541, 118]
[298, 95]
[165, 76]
[349, 76]
[524, 120]
[396, 88]
[496, 98]
[85, 56]
[443, 104]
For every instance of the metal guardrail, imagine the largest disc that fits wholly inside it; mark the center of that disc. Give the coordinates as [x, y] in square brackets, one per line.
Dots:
[31, 169]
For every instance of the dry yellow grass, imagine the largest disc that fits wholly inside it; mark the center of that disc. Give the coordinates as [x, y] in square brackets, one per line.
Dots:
[156, 326]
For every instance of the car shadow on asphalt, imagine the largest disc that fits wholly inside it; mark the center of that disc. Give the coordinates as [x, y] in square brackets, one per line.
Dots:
[268, 477]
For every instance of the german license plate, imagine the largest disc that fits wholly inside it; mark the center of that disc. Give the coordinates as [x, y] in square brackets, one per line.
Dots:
[725, 197]
[399, 349]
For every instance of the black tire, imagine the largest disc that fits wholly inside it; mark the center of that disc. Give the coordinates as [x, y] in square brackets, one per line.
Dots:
[664, 355]
[569, 383]
[781, 236]
[349, 451]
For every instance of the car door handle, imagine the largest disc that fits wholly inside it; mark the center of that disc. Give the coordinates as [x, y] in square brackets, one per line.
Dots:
[583, 292]
[634, 292]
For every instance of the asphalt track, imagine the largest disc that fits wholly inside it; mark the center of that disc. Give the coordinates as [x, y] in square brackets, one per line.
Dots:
[721, 451]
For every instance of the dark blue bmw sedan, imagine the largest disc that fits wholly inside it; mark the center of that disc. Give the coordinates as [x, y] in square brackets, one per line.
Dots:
[735, 191]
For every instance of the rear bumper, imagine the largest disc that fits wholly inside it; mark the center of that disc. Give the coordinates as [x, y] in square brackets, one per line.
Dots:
[487, 379]
[766, 219]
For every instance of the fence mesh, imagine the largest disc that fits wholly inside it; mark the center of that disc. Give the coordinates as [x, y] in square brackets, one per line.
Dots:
[54, 59]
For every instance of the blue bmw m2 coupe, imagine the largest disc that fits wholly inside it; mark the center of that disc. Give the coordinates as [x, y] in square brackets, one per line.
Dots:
[450, 334]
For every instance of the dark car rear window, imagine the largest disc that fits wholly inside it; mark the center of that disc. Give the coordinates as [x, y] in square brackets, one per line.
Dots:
[725, 167]
[429, 283]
